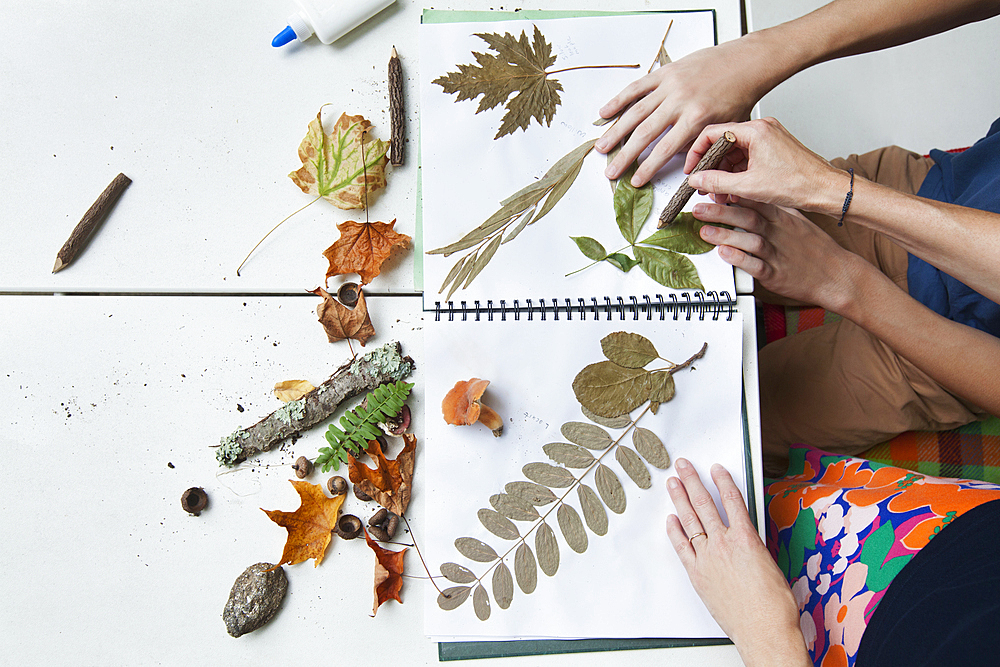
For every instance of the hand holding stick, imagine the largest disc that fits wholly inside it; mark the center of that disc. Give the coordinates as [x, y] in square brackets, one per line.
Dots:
[710, 160]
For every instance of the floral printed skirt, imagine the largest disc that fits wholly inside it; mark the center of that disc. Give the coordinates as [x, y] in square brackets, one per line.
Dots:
[841, 528]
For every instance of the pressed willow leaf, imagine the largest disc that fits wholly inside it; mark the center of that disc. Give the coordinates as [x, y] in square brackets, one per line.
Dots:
[593, 510]
[536, 494]
[610, 488]
[476, 550]
[628, 349]
[558, 190]
[481, 603]
[454, 597]
[462, 275]
[590, 248]
[517, 230]
[610, 390]
[621, 261]
[453, 274]
[571, 456]
[503, 585]
[621, 421]
[572, 528]
[661, 387]
[548, 475]
[670, 269]
[586, 435]
[556, 173]
[513, 507]
[458, 574]
[632, 206]
[683, 235]
[483, 260]
[633, 467]
[524, 569]
[547, 549]
[651, 447]
[498, 524]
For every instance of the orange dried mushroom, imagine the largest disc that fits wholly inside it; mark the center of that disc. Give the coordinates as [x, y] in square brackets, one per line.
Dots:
[462, 406]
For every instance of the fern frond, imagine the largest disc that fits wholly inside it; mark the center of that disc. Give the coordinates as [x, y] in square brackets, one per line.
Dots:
[359, 425]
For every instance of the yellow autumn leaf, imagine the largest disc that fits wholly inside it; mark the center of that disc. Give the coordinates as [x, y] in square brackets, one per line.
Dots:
[292, 390]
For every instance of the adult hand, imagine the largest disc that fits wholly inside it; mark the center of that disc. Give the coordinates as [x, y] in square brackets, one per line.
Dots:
[732, 571]
[785, 252]
[714, 85]
[767, 164]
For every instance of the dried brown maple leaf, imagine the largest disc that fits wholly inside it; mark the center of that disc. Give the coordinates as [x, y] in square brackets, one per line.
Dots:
[310, 526]
[389, 483]
[388, 573]
[344, 166]
[362, 247]
[341, 322]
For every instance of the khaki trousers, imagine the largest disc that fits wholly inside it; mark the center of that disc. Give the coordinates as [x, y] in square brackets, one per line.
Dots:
[837, 387]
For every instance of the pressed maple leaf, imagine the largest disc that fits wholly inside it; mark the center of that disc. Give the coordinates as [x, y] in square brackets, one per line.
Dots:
[362, 247]
[388, 573]
[332, 164]
[341, 322]
[310, 526]
[389, 483]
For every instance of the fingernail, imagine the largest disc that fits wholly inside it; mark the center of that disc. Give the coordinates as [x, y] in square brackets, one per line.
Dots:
[708, 231]
[673, 483]
[610, 172]
[725, 252]
[682, 464]
[717, 467]
[601, 143]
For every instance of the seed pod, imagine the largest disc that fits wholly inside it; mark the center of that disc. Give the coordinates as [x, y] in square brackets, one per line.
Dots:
[194, 500]
[379, 517]
[337, 485]
[302, 467]
[391, 524]
[348, 526]
[378, 533]
[361, 495]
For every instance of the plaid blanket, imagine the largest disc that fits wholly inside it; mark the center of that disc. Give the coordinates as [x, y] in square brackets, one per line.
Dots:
[969, 452]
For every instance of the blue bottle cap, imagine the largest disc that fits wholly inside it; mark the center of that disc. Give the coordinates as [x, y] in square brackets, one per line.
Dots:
[284, 37]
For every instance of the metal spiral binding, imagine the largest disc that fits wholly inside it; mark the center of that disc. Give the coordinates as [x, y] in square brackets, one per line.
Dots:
[700, 303]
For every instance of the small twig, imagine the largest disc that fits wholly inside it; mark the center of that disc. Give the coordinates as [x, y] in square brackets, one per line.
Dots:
[91, 220]
[709, 160]
[397, 119]
[697, 355]
[420, 555]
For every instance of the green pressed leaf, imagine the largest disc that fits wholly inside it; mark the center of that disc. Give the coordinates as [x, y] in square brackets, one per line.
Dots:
[498, 524]
[649, 445]
[548, 475]
[610, 390]
[661, 387]
[681, 236]
[525, 569]
[476, 550]
[610, 488]
[536, 494]
[632, 206]
[547, 549]
[454, 597]
[633, 467]
[670, 269]
[481, 602]
[571, 456]
[590, 248]
[586, 435]
[458, 574]
[513, 507]
[593, 510]
[621, 421]
[621, 261]
[572, 528]
[628, 349]
[503, 585]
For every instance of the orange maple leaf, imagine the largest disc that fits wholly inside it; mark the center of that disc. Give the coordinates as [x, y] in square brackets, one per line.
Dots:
[362, 248]
[341, 322]
[388, 573]
[310, 526]
[389, 483]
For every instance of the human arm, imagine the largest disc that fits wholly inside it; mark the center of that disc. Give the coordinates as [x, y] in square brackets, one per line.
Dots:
[723, 83]
[732, 571]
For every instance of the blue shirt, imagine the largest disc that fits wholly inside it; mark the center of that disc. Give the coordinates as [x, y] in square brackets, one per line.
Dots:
[972, 179]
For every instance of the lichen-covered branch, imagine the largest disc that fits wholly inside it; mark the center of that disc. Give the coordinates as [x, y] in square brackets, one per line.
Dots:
[358, 376]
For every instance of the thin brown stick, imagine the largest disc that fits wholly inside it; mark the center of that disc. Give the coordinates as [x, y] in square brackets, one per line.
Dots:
[709, 160]
[397, 120]
[420, 555]
[91, 220]
[570, 69]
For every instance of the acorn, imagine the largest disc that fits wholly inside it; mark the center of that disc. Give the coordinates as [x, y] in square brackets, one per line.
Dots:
[336, 485]
[348, 526]
[302, 467]
[194, 500]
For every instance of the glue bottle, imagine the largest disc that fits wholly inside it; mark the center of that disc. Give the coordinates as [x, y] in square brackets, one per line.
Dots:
[328, 21]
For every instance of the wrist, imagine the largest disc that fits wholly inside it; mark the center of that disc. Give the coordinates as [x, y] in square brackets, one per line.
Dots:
[783, 647]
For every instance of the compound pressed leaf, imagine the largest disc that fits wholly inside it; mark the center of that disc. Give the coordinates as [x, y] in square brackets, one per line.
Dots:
[476, 550]
[610, 390]
[503, 585]
[649, 445]
[457, 573]
[310, 527]
[547, 549]
[593, 510]
[332, 164]
[362, 248]
[536, 494]
[572, 528]
[454, 597]
[481, 602]
[586, 435]
[524, 569]
[498, 524]
[513, 507]
[633, 467]
[610, 488]
[548, 475]
[571, 456]
[619, 422]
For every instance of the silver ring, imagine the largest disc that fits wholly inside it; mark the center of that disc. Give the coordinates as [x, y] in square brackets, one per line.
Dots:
[705, 535]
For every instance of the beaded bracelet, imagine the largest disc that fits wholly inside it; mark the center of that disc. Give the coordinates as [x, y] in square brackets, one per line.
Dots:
[847, 200]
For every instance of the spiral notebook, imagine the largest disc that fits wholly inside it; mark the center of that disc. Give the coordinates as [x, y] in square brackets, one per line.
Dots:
[530, 321]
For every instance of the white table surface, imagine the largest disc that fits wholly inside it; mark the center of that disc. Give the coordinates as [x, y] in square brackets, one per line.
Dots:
[113, 401]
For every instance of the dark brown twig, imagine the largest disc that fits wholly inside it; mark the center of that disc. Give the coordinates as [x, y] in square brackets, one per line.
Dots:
[91, 220]
[709, 160]
[397, 120]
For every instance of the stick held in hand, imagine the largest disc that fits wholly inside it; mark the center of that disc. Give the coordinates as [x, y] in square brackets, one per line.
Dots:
[709, 160]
